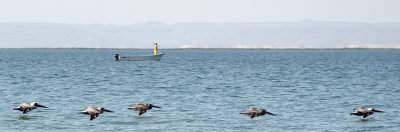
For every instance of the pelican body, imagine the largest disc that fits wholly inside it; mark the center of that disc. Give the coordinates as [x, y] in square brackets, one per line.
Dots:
[94, 112]
[26, 107]
[365, 112]
[142, 108]
[254, 112]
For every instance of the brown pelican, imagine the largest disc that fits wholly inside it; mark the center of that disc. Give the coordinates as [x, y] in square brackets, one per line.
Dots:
[142, 108]
[253, 112]
[94, 112]
[26, 107]
[362, 111]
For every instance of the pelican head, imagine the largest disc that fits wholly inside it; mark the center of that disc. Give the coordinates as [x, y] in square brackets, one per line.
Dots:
[375, 110]
[38, 105]
[151, 106]
[104, 109]
[263, 112]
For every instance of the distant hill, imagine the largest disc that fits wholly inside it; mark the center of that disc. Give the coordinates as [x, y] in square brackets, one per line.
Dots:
[305, 34]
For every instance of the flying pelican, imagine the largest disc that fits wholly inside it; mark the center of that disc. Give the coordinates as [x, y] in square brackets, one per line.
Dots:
[94, 112]
[143, 107]
[26, 107]
[362, 111]
[253, 112]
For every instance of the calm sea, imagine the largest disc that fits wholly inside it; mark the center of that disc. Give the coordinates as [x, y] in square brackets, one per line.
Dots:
[201, 90]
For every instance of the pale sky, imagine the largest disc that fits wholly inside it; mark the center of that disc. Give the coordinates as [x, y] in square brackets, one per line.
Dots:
[126, 12]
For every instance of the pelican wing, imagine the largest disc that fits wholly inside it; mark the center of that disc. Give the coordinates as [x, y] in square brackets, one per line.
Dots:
[142, 111]
[94, 116]
[138, 105]
[93, 112]
[253, 115]
[18, 108]
[249, 111]
[26, 110]
[360, 109]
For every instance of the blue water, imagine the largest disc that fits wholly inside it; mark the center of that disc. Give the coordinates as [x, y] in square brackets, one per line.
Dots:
[201, 90]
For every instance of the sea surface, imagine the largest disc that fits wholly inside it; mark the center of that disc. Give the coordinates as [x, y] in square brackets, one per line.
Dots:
[200, 90]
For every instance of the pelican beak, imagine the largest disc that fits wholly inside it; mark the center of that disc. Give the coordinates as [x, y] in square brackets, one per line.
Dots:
[376, 110]
[270, 113]
[130, 108]
[156, 106]
[108, 110]
[39, 105]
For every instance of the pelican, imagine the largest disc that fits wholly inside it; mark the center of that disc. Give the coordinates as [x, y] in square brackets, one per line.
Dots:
[362, 111]
[142, 108]
[253, 112]
[26, 107]
[94, 112]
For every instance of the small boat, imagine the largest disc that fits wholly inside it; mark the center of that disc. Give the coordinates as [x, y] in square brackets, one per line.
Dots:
[139, 57]
[155, 57]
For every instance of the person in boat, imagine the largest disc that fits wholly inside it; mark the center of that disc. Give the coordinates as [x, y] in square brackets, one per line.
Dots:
[117, 57]
[155, 48]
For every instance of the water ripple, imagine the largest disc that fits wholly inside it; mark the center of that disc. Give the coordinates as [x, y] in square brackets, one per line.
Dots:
[201, 90]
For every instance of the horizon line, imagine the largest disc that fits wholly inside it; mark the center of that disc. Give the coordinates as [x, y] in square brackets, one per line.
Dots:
[82, 48]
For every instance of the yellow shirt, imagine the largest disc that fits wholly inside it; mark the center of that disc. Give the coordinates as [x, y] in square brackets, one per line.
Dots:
[155, 49]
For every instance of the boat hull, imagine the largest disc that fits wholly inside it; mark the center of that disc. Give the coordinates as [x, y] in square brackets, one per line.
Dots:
[139, 58]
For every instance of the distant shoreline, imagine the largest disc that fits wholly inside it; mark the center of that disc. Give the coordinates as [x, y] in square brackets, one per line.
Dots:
[268, 35]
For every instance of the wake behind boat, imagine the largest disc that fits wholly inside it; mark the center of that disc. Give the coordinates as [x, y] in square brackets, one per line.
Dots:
[155, 57]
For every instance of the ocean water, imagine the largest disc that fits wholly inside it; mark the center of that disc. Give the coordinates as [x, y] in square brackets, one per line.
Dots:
[201, 90]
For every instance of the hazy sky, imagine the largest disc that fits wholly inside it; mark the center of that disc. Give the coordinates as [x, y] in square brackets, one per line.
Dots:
[125, 12]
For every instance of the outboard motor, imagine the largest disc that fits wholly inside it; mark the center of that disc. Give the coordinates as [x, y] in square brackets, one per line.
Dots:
[116, 57]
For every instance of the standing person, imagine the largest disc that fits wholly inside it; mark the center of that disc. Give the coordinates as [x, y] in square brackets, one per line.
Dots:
[155, 48]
